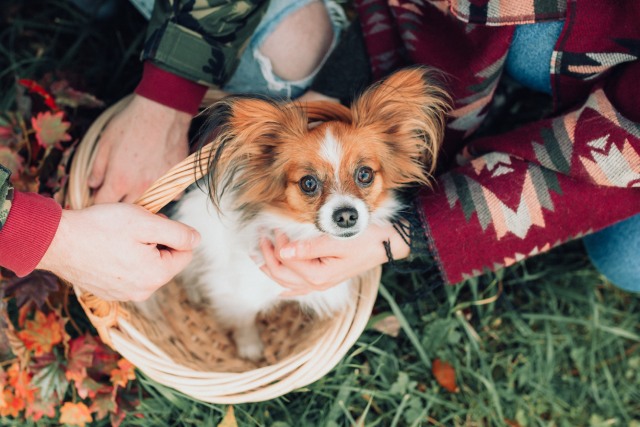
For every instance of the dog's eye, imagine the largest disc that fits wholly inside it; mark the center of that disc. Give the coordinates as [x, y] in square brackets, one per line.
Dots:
[309, 184]
[364, 176]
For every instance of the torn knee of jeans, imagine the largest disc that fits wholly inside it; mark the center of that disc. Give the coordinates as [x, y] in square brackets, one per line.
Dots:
[298, 46]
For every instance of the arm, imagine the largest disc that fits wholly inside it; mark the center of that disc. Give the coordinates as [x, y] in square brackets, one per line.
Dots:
[540, 186]
[190, 46]
[111, 250]
[523, 193]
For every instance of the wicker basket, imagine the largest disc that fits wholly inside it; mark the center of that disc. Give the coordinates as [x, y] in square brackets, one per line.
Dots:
[189, 353]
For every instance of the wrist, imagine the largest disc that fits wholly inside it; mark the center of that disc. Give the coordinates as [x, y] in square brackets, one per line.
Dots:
[170, 90]
[55, 257]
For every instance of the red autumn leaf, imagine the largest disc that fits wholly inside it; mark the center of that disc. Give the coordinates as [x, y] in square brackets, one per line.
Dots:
[104, 359]
[42, 333]
[50, 129]
[80, 358]
[103, 405]
[75, 414]
[125, 372]
[35, 87]
[445, 375]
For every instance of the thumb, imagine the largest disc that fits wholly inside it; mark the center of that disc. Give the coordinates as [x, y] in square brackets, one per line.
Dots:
[174, 261]
[172, 234]
[99, 168]
[319, 247]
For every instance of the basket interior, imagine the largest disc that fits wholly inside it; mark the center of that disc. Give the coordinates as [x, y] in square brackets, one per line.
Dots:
[190, 336]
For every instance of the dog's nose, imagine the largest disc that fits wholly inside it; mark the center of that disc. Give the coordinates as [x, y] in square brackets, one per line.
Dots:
[345, 217]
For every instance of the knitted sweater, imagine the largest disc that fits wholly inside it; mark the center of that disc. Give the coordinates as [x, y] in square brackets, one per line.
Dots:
[511, 196]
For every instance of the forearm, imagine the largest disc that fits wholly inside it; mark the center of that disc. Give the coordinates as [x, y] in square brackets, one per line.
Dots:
[537, 187]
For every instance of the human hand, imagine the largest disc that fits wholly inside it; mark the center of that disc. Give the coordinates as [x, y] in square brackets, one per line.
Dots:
[119, 251]
[318, 264]
[138, 145]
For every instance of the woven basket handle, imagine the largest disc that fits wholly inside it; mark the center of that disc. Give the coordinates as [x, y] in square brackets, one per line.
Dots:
[191, 169]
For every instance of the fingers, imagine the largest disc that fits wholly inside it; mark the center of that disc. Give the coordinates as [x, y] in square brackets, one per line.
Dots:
[273, 268]
[320, 247]
[172, 234]
[174, 261]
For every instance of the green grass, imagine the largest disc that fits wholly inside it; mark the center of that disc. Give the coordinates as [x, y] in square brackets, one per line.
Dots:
[557, 347]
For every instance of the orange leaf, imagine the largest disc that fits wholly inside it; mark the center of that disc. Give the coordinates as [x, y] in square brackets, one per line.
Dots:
[229, 419]
[50, 129]
[42, 333]
[445, 375]
[12, 404]
[20, 380]
[75, 414]
[125, 372]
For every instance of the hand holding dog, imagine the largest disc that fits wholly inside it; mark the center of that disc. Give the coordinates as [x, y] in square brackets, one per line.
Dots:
[318, 264]
[139, 145]
[119, 251]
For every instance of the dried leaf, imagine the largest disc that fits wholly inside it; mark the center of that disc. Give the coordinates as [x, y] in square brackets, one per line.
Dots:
[42, 333]
[75, 414]
[229, 419]
[445, 375]
[67, 96]
[80, 358]
[103, 405]
[125, 372]
[390, 325]
[50, 128]
[41, 408]
[35, 287]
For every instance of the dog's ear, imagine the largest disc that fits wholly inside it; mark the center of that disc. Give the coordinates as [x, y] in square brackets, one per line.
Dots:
[408, 109]
[248, 134]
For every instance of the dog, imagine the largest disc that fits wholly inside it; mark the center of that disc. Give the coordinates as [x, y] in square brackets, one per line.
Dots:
[269, 169]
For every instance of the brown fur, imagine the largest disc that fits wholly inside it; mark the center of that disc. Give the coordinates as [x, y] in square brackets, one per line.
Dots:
[264, 148]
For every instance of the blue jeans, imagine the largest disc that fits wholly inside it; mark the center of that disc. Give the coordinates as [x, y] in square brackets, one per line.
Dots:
[255, 74]
[615, 251]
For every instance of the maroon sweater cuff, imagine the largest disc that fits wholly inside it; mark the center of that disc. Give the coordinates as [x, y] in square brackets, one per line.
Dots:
[169, 89]
[33, 221]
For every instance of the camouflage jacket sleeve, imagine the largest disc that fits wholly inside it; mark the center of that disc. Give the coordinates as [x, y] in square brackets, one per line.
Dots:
[6, 194]
[201, 40]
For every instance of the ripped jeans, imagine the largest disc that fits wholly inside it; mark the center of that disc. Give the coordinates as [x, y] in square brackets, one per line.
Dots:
[255, 75]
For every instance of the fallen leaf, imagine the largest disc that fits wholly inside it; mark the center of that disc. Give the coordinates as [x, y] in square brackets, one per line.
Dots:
[42, 333]
[75, 414]
[80, 358]
[35, 287]
[229, 419]
[41, 408]
[65, 95]
[445, 375]
[50, 128]
[389, 325]
[123, 374]
[103, 405]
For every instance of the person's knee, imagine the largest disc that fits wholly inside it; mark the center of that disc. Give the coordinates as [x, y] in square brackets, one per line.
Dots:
[300, 43]
[615, 251]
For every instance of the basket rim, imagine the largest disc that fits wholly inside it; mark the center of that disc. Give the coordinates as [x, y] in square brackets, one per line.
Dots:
[111, 319]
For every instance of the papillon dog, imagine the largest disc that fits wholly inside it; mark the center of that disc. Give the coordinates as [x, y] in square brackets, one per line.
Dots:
[270, 169]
